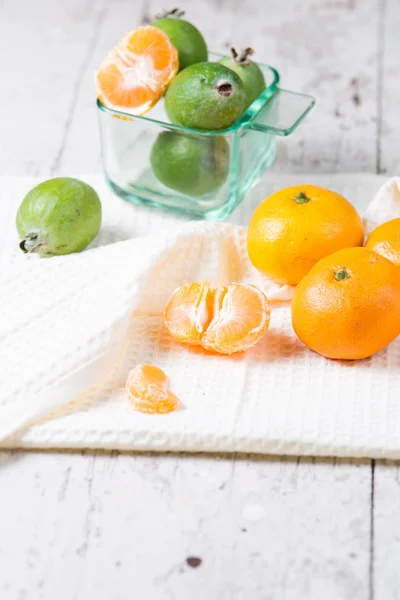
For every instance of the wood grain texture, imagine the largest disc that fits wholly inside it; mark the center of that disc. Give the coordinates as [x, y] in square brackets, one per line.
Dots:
[81, 151]
[386, 531]
[117, 526]
[389, 93]
[45, 75]
[328, 48]
[332, 49]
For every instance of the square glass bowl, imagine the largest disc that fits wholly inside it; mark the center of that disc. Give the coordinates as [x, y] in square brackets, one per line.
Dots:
[201, 173]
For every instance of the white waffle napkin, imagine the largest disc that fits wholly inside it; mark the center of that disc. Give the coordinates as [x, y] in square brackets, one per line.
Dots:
[71, 328]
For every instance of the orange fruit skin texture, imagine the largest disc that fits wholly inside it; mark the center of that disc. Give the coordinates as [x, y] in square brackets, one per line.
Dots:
[223, 319]
[352, 318]
[147, 390]
[286, 239]
[385, 240]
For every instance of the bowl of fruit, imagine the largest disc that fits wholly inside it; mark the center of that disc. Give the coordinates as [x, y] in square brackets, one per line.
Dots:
[186, 129]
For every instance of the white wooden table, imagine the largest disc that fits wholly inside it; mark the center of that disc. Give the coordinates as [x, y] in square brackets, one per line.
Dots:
[97, 526]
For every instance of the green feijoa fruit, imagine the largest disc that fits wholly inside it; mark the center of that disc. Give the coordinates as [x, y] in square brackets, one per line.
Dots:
[192, 165]
[58, 216]
[186, 38]
[206, 96]
[249, 72]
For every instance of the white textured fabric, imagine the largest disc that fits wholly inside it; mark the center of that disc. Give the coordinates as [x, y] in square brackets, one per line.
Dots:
[72, 327]
[385, 206]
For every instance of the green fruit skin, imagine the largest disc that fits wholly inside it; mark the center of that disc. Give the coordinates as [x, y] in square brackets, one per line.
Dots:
[251, 76]
[186, 38]
[195, 166]
[192, 100]
[64, 212]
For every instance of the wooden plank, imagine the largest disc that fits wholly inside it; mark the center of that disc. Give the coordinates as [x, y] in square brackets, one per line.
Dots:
[386, 531]
[389, 124]
[327, 49]
[112, 526]
[44, 75]
[340, 134]
[81, 151]
[103, 526]
[50, 125]
[386, 490]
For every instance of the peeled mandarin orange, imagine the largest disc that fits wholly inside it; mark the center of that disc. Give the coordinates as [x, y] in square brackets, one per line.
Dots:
[147, 390]
[385, 240]
[297, 226]
[348, 306]
[135, 74]
[241, 316]
[226, 319]
[189, 311]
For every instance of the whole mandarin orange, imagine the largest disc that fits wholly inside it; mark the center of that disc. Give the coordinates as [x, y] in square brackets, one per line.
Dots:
[385, 240]
[348, 306]
[294, 228]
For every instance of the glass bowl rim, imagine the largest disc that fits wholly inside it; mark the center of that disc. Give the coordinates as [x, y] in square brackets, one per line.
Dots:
[249, 114]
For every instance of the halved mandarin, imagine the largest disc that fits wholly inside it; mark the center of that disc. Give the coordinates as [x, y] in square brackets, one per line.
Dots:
[147, 390]
[189, 312]
[226, 319]
[135, 74]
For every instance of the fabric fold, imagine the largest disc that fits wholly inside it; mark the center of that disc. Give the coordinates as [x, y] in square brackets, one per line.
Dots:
[72, 326]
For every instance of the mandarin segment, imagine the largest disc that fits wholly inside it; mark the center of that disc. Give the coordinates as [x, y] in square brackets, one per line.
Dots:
[153, 46]
[135, 74]
[116, 91]
[225, 320]
[188, 312]
[147, 390]
[241, 317]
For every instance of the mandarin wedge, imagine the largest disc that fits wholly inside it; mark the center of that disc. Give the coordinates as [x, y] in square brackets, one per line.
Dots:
[241, 316]
[189, 312]
[135, 74]
[147, 390]
[225, 320]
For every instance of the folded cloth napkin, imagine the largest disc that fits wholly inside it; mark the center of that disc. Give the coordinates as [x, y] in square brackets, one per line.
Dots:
[72, 327]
